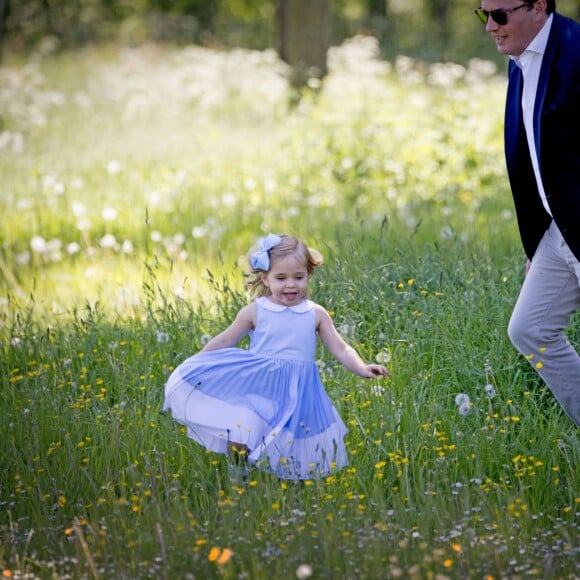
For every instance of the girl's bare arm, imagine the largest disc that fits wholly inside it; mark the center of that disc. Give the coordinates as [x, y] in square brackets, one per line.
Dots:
[343, 352]
[244, 322]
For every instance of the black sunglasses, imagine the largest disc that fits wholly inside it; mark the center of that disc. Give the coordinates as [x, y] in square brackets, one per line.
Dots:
[499, 16]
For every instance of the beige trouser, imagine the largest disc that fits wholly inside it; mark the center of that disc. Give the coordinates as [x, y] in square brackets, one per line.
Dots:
[547, 302]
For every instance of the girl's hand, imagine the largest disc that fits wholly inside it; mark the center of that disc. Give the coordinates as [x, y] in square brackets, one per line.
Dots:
[372, 370]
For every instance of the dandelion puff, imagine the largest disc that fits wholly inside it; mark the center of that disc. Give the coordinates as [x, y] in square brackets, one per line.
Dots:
[446, 233]
[161, 337]
[83, 225]
[38, 244]
[489, 391]
[23, 258]
[78, 209]
[346, 329]
[462, 400]
[199, 232]
[73, 248]
[464, 410]
[109, 214]
[113, 167]
[108, 241]
[127, 247]
[383, 357]
[378, 390]
[205, 339]
[304, 571]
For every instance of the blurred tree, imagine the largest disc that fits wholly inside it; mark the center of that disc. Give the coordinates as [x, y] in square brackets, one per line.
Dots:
[305, 35]
[4, 8]
[426, 29]
[378, 8]
[439, 15]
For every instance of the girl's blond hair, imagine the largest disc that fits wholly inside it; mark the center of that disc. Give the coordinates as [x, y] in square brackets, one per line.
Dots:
[289, 245]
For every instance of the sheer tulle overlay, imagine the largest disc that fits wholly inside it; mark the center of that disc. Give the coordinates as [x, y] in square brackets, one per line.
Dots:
[269, 398]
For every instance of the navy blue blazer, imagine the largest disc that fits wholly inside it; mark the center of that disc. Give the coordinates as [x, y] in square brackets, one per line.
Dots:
[557, 139]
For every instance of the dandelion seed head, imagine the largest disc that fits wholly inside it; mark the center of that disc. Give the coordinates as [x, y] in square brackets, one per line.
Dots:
[462, 400]
[489, 391]
[346, 329]
[464, 410]
[83, 225]
[113, 167]
[383, 357]
[304, 571]
[378, 390]
[446, 233]
[161, 337]
[127, 247]
[199, 232]
[38, 244]
[108, 241]
[79, 209]
[73, 248]
[109, 214]
[23, 258]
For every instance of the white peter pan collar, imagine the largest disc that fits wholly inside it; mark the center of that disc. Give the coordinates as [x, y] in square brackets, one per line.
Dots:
[304, 306]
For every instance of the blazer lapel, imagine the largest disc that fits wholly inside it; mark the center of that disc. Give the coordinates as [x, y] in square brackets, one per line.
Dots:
[547, 61]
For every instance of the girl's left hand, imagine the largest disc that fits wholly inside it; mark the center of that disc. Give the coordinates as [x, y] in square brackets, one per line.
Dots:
[373, 370]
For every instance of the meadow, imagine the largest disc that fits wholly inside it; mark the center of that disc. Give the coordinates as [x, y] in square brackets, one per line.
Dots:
[133, 181]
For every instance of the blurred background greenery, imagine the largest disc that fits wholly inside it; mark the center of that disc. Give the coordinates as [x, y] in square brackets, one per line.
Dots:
[434, 30]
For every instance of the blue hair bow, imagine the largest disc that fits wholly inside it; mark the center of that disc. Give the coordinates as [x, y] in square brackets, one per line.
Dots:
[260, 260]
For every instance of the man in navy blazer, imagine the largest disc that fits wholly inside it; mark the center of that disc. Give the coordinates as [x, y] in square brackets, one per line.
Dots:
[542, 147]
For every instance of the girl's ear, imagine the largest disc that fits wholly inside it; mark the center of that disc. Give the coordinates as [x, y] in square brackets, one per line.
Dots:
[264, 279]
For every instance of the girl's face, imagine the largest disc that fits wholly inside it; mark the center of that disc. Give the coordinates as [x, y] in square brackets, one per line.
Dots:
[287, 280]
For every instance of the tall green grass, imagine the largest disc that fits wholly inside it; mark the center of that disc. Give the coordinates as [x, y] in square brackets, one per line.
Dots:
[161, 168]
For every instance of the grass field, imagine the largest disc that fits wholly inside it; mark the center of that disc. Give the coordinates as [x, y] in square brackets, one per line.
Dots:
[133, 180]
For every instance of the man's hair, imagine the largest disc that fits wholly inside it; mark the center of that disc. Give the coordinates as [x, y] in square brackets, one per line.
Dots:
[550, 5]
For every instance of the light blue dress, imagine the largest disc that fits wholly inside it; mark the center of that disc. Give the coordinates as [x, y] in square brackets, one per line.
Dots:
[269, 398]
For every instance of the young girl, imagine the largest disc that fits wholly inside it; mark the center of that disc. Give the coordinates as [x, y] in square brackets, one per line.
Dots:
[268, 403]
